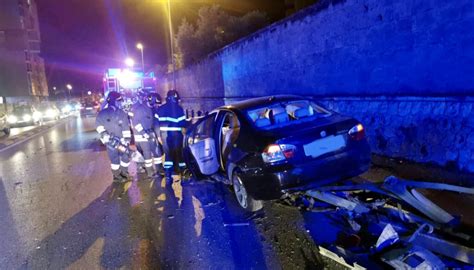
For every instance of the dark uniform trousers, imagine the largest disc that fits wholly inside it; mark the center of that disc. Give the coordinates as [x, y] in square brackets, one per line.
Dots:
[171, 122]
[144, 135]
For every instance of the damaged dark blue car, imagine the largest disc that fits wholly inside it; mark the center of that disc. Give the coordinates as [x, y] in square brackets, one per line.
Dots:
[272, 146]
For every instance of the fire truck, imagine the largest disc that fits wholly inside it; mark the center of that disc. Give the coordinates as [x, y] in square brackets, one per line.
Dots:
[128, 82]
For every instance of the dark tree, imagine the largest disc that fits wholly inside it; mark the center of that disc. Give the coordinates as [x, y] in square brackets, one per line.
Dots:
[214, 29]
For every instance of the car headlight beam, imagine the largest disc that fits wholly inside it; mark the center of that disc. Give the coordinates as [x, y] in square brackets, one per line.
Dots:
[12, 119]
[27, 117]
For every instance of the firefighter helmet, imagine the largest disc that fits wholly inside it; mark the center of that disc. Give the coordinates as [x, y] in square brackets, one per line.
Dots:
[153, 99]
[173, 95]
[113, 97]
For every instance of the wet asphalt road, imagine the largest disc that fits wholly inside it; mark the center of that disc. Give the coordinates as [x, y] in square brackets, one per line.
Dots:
[59, 209]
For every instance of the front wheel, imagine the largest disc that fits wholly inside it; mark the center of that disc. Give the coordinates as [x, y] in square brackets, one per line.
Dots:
[244, 199]
[7, 131]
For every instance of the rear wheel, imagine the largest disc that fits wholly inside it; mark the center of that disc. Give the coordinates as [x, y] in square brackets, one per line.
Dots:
[244, 199]
[7, 130]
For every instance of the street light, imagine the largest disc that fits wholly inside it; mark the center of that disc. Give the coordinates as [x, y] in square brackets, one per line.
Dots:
[129, 62]
[171, 43]
[140, 47]
[69, 88]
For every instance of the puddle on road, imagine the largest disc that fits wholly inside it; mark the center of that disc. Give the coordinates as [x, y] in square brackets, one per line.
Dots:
[198, 215]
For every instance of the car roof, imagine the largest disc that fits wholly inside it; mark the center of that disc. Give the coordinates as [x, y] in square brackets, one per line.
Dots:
[260, 101]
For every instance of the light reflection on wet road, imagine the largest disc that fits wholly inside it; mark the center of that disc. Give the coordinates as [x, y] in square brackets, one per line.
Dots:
[59, 209]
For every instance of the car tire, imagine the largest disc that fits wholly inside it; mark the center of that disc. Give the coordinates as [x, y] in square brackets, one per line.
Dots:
[6, 131]
[244, 199]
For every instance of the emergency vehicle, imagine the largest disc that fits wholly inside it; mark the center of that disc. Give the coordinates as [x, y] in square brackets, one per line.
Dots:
[128, 82]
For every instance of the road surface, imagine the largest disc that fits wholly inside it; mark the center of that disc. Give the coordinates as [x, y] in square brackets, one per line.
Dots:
[59, 209]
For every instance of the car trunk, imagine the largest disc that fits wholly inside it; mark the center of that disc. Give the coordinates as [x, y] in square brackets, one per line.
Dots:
[323, 137]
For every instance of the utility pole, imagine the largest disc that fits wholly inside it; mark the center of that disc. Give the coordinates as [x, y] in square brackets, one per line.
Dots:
[171, 43]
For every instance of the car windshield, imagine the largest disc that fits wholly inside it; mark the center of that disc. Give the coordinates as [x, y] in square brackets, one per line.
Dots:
[44, 108]
[278, 114]
[21, 110]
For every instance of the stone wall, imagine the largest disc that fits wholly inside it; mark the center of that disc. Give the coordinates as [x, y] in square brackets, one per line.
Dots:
[418, 55]
[429, 130]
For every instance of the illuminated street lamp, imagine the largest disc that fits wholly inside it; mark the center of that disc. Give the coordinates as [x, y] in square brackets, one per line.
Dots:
[69, 88]
[129, 62]
[89, 93]
[140, 47]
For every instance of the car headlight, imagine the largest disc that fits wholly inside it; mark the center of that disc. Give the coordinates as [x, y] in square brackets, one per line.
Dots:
[37, 115]
[12, 119]
[51, 113]
[27, 117]
[66, 109]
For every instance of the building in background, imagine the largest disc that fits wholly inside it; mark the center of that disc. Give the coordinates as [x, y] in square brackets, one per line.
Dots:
[293, 6]
[22, 72]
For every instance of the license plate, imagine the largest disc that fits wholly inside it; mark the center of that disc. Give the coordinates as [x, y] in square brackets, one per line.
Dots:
[324, 146]
[89, 109]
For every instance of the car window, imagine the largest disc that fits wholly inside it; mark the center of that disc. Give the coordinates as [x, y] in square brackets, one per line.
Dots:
[21, 110]
[204, 129]
[229, 133]
[279, 114]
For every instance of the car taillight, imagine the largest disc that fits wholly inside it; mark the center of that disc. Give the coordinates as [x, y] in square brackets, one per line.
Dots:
[357, 132]
[278, 152]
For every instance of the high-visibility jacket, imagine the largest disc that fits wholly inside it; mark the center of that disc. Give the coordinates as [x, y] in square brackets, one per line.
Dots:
[171, 117]
[141, 117]
[114, 122]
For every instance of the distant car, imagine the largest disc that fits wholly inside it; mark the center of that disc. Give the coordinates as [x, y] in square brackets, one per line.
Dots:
[90, 108]
[4, 125]
[271, 146]
[48, 112]
[24, 116]
[65, 109]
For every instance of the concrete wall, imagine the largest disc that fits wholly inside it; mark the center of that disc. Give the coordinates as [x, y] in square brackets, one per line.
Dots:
[418, 55]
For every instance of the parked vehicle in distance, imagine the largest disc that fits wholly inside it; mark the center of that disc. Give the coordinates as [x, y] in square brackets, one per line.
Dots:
[24, 115]
[90, 108]
[272, 146]
[4, 125]
[48, 112]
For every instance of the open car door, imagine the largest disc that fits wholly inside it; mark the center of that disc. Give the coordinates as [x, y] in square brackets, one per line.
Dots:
[203, 146]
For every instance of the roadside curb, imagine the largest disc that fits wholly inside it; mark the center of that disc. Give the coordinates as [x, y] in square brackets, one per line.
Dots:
[23, 137]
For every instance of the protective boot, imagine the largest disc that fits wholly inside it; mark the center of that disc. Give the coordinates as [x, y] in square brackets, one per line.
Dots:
[141, 168]
[160, 171]
[169, 176]
[150, 172]
[117, 177]
[124, 174]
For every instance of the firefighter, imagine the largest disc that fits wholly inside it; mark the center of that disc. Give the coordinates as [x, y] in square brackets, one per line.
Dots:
[114, 130]
[172, 121]
[141, 116]
[154, 102]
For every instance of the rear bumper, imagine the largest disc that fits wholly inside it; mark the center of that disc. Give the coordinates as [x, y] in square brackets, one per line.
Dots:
[267, 185]
[89, 113]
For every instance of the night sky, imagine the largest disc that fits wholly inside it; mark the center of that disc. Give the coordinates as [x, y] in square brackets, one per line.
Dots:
[82, 38]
